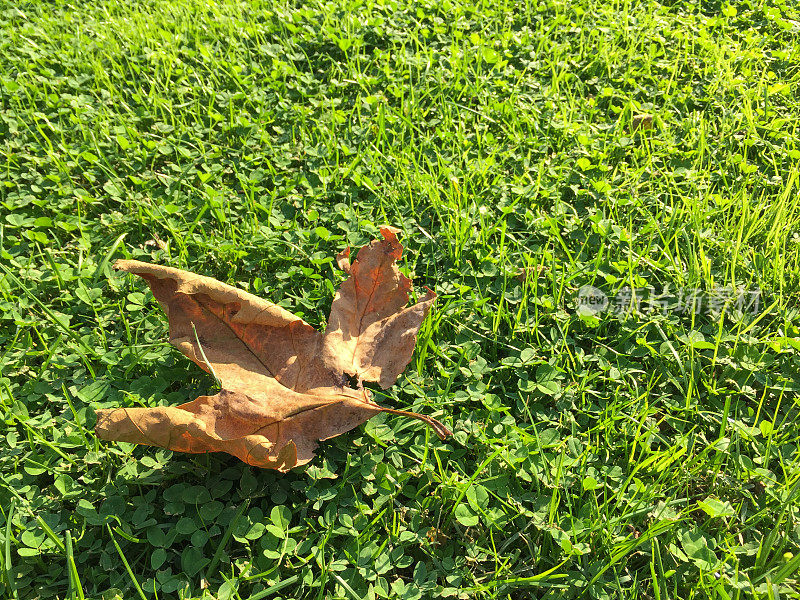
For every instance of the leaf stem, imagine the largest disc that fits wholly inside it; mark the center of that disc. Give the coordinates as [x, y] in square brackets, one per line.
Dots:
[440, 430]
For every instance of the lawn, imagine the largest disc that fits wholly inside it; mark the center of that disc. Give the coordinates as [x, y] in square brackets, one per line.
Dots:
[605, 196]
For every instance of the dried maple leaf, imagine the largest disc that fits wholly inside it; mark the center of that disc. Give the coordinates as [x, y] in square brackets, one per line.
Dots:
[283, 383]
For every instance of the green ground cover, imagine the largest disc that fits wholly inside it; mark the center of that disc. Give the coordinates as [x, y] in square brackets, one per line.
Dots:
[649, 453]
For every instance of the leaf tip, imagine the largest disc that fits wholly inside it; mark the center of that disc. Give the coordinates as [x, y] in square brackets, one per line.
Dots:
[343, 260]
[122, 264]
[395, 248]
[101, 423]
[388, 231]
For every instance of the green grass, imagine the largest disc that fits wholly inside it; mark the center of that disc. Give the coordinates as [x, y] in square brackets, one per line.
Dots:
[645, 454]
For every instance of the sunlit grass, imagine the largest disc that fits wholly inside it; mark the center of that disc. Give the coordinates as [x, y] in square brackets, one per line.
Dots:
[626, 454]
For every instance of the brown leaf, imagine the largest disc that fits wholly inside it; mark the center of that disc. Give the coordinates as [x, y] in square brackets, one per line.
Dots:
[530, 272]
[368, 335]
[641, 122]
[282, 381]
[343, 260]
